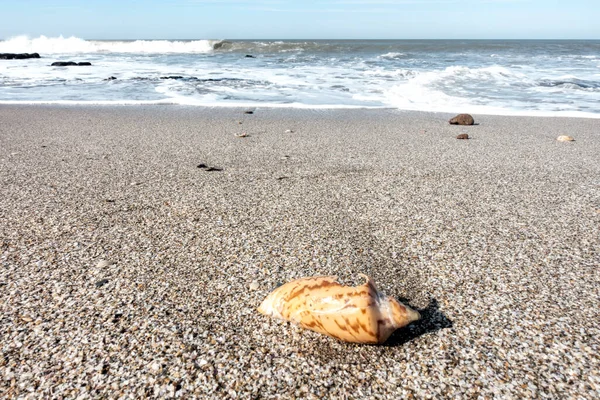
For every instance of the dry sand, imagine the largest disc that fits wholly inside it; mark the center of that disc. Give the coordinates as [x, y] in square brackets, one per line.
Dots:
[127, 270]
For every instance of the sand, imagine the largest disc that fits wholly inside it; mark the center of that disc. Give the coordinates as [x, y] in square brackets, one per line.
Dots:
[126, 270]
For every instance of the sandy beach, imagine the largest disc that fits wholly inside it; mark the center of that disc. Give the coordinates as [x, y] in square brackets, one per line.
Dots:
[127, 270]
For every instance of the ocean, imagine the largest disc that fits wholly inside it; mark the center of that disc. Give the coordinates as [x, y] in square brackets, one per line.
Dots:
[505, 77]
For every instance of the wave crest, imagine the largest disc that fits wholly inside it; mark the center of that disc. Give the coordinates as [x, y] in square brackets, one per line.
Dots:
[75, 45]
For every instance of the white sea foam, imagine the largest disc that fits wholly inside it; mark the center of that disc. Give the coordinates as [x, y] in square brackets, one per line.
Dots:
[453, 89]
[300, 75]
[392, 54]
[74, 45]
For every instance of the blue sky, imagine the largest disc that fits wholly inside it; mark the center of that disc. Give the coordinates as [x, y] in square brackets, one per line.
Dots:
[289, 19]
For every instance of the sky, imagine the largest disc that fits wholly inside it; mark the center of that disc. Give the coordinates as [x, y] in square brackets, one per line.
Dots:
[308, 19]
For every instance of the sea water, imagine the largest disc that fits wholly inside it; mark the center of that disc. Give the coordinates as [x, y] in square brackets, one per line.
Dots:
[511, 77]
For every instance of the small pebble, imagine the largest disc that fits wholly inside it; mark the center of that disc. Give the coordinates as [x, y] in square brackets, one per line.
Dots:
[462, 136]
[254, 285]
[104, 264]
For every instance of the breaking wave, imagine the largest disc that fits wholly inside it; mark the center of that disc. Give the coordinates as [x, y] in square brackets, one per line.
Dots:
[75, 45]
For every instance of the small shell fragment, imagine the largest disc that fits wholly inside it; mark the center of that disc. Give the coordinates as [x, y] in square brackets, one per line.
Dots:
[358, 314]
[565, 138]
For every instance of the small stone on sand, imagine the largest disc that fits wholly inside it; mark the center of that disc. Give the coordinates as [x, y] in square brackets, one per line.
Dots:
[254, 285]
[462, 136]
[462, 119]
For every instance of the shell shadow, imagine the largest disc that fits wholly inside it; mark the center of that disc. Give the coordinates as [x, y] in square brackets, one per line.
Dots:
[432, 320]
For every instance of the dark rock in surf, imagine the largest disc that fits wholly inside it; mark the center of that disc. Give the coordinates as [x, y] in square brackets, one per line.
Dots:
[110, 78]
[250, 56]
[70, 64]
[18, 56]
[63, 64]
[462, 119]
[172, 77]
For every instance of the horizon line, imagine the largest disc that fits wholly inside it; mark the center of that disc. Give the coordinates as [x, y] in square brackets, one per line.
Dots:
[301, 38]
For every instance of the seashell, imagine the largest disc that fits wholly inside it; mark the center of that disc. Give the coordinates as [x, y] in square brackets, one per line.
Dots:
[358, 314]
[565, 138]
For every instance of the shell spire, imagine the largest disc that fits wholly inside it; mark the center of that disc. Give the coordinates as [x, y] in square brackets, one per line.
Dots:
[358, 314]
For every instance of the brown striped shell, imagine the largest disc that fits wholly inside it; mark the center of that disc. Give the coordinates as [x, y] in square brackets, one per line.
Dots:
[358, 314]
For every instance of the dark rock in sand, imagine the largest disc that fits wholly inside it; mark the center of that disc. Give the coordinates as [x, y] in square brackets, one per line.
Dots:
[70, 64]
[248, 112]
[209, 169]
[462, 136]
[462, 119]
[18, 56]
[101, 283]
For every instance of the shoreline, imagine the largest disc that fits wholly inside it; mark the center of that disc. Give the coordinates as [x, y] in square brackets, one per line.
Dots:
[308, 107]
[126, 268]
